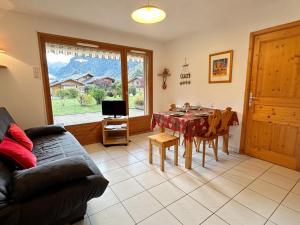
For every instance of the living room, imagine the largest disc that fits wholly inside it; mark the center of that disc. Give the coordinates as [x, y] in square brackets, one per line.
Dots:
[62, 62]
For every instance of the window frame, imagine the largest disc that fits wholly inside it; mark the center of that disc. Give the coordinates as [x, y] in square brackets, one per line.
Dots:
[44, 38]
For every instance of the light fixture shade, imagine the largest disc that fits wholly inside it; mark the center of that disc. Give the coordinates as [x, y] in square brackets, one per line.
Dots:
[148, 14]
[2, 50]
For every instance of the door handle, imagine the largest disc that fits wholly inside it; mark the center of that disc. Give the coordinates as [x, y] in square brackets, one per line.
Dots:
[250, 99]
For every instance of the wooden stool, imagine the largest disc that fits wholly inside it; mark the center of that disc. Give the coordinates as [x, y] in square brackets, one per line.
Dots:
[163, 141]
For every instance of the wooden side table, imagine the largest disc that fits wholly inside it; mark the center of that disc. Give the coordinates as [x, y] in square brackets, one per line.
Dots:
[115, 131]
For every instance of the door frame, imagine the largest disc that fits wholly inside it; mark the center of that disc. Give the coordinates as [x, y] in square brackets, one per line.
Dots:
[253, 35]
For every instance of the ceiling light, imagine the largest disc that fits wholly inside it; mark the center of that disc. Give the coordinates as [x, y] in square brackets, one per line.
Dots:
[148, 14]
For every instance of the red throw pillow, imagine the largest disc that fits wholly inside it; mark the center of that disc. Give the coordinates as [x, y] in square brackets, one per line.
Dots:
[19, 135]
[17, 153]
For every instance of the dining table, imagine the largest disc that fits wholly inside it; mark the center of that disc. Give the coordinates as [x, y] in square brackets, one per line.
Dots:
[191, 123]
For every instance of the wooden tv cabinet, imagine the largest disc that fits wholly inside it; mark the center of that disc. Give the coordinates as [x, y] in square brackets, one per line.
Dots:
[113, 133]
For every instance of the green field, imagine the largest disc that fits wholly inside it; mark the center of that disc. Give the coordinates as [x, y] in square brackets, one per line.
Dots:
[71, 106]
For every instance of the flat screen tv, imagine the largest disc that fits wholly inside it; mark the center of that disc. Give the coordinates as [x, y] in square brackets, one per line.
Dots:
[114, 108]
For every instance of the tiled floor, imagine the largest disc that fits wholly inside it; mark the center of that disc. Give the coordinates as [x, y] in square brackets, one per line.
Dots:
[235, 190]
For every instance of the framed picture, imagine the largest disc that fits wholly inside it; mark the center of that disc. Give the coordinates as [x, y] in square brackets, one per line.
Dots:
[220, 67]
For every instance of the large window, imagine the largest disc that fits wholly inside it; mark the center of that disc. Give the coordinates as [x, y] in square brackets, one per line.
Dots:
[137, 82]
[80, 75]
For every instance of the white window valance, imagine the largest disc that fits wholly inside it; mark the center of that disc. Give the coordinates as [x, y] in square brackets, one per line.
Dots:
[59, 49]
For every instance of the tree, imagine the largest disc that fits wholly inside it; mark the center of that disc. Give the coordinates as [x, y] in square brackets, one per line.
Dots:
[132, 90]
[85, 99]
[62, 93]
[98, 94]
[73, 93]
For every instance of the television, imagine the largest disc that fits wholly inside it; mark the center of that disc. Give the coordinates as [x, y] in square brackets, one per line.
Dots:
[114, 108]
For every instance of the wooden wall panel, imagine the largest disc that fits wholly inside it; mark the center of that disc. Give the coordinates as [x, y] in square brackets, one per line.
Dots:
[92, 132]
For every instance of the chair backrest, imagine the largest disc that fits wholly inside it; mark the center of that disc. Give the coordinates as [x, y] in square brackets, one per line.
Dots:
[172, 107]
[187, 105]
[213, 122]
[226, 117]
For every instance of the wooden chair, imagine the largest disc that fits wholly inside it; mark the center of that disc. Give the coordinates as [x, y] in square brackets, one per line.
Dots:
[173, 108]
[211, 134]
[223, 129]
[163, 141]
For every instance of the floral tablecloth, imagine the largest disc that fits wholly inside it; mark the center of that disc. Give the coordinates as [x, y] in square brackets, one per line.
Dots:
[190, 124]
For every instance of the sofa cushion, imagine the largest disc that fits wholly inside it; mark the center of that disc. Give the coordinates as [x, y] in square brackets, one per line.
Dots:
[41, 131]
[5, 121]
[33, 181]
[19, 136]
[18, 153]
[59, 146]
[5, 180]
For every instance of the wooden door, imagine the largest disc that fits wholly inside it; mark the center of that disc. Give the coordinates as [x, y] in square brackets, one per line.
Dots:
[272, 130]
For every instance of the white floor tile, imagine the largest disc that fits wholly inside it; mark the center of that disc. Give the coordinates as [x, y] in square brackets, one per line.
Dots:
[126, 160]
[186, 182]
[150, 179]
[169, 172]
[259, 163]
[250, 169]
[269, 190]
[284, 216]
[108, 165]
[136, 168]
[166, 193]
[278, 180]
[258, 203]
[142, 206]
[116, 152]
[292, 201]
[188, 211]
[106, 200]
[296, 189]
[225, 186]
[114, 215]
[288, 173]
[214, 220]
[100, 157]
[163, 217]
[209, 197]
[116, 176]
[204, 174]
[127, 189]
[85, 221]
[237, 214]
[141, 155]
[238, 177]
[270, 223]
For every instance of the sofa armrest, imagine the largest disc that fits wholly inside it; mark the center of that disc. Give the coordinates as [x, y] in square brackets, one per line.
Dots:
[29, 182]
[36, 132]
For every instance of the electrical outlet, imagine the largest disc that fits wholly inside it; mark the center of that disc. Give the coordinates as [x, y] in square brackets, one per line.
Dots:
[36, 72]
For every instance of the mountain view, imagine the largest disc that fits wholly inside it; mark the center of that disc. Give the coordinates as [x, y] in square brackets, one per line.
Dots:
[95, 66]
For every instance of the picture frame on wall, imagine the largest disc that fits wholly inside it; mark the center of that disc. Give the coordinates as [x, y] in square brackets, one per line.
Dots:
[220, 67]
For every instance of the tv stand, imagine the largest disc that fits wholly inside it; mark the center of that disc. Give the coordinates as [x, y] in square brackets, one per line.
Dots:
[115, 131]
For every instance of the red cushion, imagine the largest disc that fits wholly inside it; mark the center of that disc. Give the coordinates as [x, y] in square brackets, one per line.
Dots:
[19, 135]
[17, 153]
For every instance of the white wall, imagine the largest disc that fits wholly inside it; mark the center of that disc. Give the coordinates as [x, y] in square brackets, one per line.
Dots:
[20, 92]
[197, 48]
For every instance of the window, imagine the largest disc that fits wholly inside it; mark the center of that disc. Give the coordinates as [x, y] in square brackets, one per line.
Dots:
[79, 74]
[137, 81]
[79, 79]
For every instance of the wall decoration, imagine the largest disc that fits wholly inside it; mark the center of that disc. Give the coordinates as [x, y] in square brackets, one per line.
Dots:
[220, 67]
[185, 74]
[164, 75]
